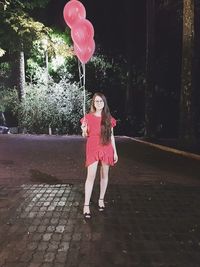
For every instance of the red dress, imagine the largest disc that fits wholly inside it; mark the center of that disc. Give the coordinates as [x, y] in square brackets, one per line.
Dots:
[95, 151]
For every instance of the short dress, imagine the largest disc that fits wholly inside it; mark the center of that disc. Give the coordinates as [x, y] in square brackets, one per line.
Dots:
[95, 151]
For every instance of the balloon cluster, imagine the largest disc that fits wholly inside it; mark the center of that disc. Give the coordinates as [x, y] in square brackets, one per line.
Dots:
[82, 31]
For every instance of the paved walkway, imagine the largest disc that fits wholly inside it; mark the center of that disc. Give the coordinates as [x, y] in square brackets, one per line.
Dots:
[152, 217]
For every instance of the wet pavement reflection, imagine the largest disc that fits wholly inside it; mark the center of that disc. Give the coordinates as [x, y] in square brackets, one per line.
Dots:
[143, 226]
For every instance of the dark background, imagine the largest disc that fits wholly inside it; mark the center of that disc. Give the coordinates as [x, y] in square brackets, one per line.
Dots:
[120, 31]
[115, 23]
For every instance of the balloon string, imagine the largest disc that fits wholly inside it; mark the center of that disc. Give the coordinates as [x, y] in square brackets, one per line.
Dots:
[81, 69]
[80, 75]
[84, 97]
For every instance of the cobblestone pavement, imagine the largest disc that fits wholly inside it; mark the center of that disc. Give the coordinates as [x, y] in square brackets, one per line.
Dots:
[152, 217]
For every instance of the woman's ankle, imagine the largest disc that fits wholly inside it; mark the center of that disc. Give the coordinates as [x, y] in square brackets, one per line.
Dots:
[101, 201]
[86, 207]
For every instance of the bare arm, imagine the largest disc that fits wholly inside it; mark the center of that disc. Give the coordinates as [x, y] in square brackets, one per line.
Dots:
[84, 129]
[114, 146]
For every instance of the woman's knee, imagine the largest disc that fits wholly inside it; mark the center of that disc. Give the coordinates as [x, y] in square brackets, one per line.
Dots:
[104, 171]
[90, 178]
[104, 178]
[91, 172]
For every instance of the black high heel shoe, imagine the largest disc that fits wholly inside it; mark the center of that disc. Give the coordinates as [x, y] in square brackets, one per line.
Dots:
[101, 208]
[87, 215]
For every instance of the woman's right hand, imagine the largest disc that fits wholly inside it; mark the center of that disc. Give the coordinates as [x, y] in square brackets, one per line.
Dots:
[84, 129]
[115, 157]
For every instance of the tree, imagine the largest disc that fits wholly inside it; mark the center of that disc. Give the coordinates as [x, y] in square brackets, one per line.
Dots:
[129, 59]
[187, 123]
[48, 57]
[196, 65]
[18, 31]
[150, 75]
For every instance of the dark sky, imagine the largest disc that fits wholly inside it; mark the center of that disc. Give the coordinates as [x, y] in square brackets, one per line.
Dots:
[116, 23]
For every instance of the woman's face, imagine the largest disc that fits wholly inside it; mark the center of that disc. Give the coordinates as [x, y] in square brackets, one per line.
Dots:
[98, 103]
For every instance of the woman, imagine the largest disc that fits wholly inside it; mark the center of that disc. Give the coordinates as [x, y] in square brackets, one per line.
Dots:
[97, 126]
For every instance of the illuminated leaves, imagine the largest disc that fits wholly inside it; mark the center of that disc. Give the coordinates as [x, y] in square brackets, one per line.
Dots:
[17, 24]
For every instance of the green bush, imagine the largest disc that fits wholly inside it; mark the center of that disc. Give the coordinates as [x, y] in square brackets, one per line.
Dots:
[59, 107]
[8, 105]
[8, 100]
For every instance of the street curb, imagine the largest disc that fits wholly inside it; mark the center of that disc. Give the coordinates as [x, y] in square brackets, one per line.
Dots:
[166, 148]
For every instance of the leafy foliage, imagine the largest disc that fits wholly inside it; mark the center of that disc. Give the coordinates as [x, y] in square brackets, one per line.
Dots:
[35, 74]
[17, 24]
[59, 106]
[8, 100]
[56, 49]
[6, 4]
[2, 52]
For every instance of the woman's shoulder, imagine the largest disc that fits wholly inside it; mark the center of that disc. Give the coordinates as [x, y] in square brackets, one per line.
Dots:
[112, 118]
[113, 121]
[87, 117]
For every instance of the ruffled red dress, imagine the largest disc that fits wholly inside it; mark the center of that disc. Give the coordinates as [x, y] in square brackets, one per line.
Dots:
[95, 151]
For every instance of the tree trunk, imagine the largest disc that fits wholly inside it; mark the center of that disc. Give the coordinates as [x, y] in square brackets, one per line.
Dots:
[150, 76]
[187, 123]
[196, 67]
[129, 87]
[129, 58]
[18, 72]
[47, 68]
[50, 129]
[21, 77]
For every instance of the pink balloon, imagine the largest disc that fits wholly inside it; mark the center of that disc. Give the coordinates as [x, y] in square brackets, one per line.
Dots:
[81, 32]
[84, 53]
[73, 11]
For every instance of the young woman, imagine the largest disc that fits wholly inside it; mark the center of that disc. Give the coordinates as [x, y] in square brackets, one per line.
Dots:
[97, 126]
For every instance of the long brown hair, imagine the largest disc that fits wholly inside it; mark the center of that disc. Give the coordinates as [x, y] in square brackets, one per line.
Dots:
[105, 136]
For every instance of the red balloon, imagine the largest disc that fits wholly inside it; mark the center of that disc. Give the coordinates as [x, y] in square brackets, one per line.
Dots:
[73, 11]
[84, 53]
[81, 32]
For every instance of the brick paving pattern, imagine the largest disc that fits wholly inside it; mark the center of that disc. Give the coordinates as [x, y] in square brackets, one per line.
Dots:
[151, 220]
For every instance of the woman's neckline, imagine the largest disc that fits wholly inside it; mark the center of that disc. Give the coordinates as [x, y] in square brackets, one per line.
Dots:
[96, 115]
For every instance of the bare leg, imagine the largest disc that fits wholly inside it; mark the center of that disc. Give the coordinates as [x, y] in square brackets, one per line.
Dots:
[103, 183]
[91, 174]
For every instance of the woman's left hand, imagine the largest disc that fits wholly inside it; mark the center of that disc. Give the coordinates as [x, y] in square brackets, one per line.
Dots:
[115, 157]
